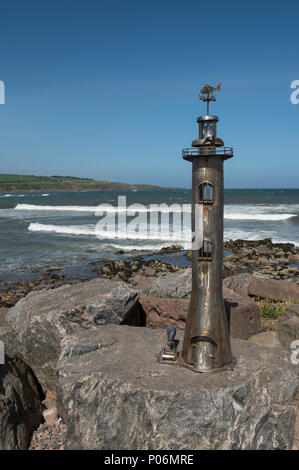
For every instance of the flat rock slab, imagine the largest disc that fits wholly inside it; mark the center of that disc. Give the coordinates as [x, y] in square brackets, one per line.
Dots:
[274, 289]
[42, 318]
[175, 285]
[113, 394]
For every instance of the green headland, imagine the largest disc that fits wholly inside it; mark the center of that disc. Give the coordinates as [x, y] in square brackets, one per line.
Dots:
[10, 182]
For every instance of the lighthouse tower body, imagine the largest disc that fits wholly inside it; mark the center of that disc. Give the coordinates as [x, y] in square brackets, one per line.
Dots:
[206, 346]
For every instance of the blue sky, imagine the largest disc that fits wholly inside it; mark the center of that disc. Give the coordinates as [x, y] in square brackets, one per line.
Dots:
[108, 89]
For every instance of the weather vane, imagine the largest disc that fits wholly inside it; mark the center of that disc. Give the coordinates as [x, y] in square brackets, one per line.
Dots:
[208, 90]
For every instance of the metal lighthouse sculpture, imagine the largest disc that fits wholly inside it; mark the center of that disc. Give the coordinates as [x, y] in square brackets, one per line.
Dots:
[206, 345]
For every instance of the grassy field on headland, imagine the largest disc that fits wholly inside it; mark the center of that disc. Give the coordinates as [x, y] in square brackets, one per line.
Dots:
[61, 183]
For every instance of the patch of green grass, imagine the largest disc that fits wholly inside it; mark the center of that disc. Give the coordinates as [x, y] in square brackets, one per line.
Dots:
[272, 309]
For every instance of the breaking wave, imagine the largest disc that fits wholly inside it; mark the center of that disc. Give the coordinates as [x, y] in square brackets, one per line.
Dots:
[238, 216]
[67, 229]
[33, 207]
[121, 234]
[104, 207]
[138, 247]
[231, 211]
[163, 239]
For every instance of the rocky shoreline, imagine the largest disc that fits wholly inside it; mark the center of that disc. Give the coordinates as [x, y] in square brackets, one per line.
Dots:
[275, 260]
[54, 322]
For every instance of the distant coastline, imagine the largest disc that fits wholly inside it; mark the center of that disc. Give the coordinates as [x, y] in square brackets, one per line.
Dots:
[31, 183]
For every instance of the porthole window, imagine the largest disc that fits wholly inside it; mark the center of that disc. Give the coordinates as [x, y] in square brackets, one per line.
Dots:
[205, 193]
[205, 252]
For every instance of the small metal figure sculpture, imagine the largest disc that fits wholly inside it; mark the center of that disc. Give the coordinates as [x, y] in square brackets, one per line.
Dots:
[169, 353]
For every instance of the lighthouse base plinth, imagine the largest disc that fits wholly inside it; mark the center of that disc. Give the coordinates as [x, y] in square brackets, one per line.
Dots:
[227, 367]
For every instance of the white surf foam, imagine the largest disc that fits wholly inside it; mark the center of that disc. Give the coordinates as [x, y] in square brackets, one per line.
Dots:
[121, 234]
[34, 207]
[107, 208]
[239, 234]
[260, 212]
[71, 230]
[138, 247]
[164, 239]
[98, 210]
[231, 211]
[257, 216]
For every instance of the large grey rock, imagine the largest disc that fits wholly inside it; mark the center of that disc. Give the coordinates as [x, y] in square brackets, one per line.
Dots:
[175, 285]
[287, 327]
[291, 312]
[42, 318]
[287, 331]
[268, 339]
[114, 395]
[20, 405]
[284, 332]
[241, 282]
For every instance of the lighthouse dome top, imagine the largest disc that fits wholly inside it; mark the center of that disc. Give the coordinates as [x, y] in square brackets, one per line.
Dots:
[207, 117]
[207, 142]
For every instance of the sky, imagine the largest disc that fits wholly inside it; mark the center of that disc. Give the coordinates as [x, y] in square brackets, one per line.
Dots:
[108, 89]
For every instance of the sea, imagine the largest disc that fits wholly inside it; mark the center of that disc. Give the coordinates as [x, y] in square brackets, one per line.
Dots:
[74, 228]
